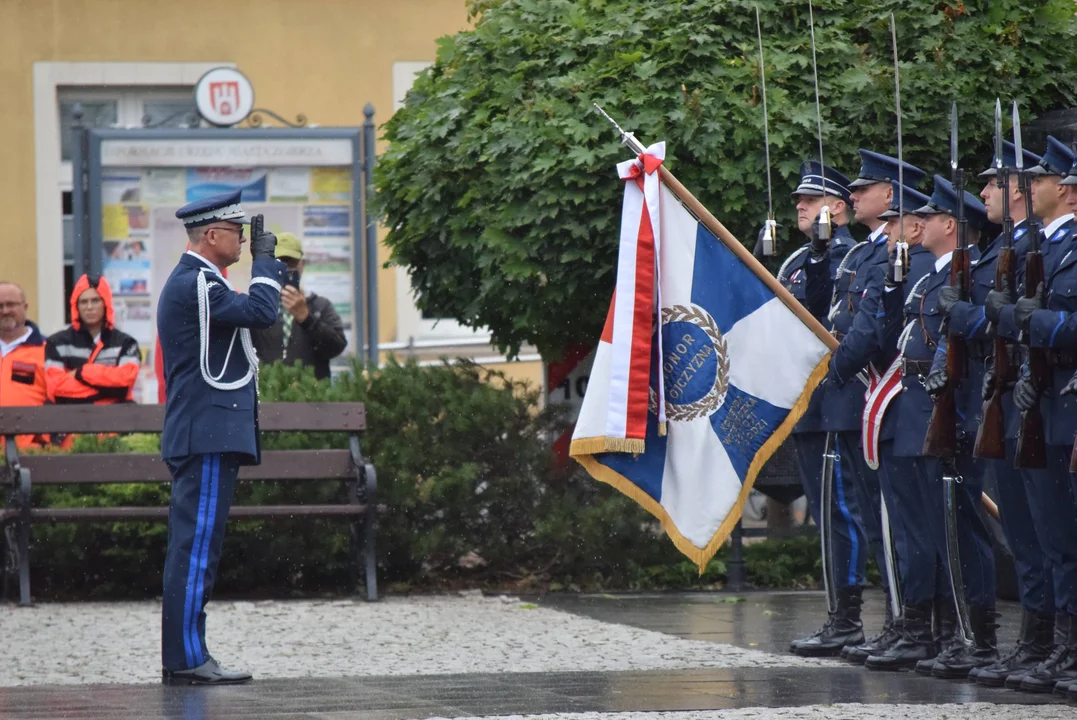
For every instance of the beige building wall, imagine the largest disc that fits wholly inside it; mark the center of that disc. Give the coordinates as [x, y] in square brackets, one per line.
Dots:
[323, 58]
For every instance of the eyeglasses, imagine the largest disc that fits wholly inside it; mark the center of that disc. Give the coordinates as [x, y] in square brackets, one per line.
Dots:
[233, 228]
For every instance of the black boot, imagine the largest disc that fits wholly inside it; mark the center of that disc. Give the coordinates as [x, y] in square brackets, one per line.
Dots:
[1060, 666]
[983, 651]
[1062, 629]
[879, 644]
[916, 642]
[945, 630]
[1033, 647]
[842, 628]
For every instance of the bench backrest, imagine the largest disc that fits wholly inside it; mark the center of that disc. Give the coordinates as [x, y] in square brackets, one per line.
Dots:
[133, 418]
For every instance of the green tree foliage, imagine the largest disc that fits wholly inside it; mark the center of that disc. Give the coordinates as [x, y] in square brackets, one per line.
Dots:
[498, 186]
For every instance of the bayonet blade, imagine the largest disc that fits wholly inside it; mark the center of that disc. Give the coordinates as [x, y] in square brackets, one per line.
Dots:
[998, 134]
[766, 126]
[1018, 150]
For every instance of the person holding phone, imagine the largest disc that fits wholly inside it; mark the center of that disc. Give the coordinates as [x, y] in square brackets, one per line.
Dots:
[211, 415]
[308, 330]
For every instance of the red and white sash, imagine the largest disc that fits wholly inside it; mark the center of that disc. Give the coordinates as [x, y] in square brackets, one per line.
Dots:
[881, 391]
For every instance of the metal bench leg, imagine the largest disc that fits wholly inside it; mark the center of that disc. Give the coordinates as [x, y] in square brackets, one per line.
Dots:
[370, 532]
[22, 530]
[369, 488]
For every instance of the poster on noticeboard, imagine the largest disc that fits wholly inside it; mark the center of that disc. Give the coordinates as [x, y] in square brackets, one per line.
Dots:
[305, 187]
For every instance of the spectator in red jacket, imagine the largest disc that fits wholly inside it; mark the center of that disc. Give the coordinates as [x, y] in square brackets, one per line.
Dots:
[91, 361]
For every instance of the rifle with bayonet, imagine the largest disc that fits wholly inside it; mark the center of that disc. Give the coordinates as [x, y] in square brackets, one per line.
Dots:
[1031, 438]
[941, 440]
[991, 435]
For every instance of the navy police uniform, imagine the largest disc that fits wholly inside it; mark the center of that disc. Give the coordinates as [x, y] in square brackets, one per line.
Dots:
[849, 540]
[1054, 328]
[920, 488]
[967, 319]
[211, 420]
[1052, 499]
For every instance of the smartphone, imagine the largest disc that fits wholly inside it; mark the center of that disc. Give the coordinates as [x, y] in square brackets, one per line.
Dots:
[291, 277]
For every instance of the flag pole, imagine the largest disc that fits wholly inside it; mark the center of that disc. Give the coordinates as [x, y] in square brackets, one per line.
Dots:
[730, 241]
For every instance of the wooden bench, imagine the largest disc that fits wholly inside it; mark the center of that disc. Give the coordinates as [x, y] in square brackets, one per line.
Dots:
[24, 471]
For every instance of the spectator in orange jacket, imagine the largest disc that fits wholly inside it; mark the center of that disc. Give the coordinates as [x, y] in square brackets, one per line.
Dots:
[22, 356]
[91, 361]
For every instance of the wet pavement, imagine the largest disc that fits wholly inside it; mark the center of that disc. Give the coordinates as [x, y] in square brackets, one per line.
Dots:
[761, 621]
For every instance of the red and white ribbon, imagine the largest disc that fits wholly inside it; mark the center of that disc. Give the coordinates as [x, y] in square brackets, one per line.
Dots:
[637, 299]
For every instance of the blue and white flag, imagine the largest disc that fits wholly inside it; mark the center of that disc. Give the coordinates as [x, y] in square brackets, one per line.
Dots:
[739, 366]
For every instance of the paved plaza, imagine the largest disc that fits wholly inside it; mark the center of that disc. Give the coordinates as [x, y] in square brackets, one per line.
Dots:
[599, 657]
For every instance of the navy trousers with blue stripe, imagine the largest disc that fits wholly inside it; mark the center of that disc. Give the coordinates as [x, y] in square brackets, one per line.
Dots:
[1035, 583]
[202, 491]
[850, 543]
[916, 519]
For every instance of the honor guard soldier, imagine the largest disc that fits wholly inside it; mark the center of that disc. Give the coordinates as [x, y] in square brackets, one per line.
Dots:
[1050, 495]
[1049, 321]
[854, 305]
[827, 187]
[967, 319]
[877, 437]
[211, 415]
[922, 476]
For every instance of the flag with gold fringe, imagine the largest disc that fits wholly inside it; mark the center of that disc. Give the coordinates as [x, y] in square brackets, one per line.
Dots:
[695, 320]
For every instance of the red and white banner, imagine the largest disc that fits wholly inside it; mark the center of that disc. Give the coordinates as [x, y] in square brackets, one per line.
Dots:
[630, 323]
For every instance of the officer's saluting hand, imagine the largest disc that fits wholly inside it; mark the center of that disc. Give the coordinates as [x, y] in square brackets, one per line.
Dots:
[263, 243]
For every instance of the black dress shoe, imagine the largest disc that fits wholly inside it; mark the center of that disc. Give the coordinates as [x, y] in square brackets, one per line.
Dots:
[208, 673]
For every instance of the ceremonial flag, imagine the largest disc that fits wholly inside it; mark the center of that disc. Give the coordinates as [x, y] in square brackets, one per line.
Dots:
[736, 360]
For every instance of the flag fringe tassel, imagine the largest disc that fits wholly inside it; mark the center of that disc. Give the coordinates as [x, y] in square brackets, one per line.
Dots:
[593, 446]
[580, 450]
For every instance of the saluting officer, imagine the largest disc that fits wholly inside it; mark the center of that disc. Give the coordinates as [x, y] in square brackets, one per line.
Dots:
[1050, 496]
[1049, 321]
[967, 319]
[827, 187]
[211, 415]
[855, 303]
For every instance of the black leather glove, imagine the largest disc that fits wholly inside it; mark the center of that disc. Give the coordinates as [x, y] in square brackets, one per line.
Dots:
[948, 297]
[1071, 386]
[891, 268]
[263, 243]
[1025, 396]
[1024, 307]
[988, 387]
[998, 299]
[936, 382]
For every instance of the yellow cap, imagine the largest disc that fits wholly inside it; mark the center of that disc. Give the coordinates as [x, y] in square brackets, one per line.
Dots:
[288, 246]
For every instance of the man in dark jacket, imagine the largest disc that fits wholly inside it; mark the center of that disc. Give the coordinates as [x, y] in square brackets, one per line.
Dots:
[308, 330]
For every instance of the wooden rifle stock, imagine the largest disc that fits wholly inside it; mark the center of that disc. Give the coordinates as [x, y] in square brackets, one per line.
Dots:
[1031, 438]
[941, 439]
[991, 435]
